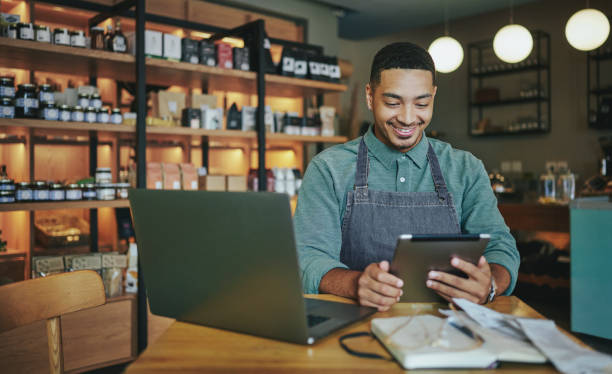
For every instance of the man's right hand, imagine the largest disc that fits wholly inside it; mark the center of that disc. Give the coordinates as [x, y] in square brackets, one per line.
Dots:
[378, 288]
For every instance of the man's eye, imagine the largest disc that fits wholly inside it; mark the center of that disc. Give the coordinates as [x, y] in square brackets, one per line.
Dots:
[392, 104]
[421, 105]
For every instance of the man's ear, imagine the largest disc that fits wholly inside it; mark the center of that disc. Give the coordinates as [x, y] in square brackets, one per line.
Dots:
[369, 95]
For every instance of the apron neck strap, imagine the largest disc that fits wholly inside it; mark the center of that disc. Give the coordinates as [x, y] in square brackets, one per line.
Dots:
[436, 174]
[363, 167]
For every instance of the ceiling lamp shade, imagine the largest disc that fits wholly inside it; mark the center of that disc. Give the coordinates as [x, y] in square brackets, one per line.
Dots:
[587, 29]
[447, 54]
[512, 43]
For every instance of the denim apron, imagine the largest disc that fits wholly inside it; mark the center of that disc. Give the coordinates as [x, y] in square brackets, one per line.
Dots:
[374, 219]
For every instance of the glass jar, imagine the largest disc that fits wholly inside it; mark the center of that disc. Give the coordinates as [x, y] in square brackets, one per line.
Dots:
[49, 112]
[89, 191]
[12, 31]
[24, 192]
[104, 176]
[7, 87]
[65, 113]
[74, 192]
[102, 116]
[25, 31]
[95, 101]
[57, 192]
[122, 190]
[97, 37]
[7, 197]
[7, 107]
[116, 117]
[77, 39]
[90, 114]
[61, 37]
[83, 100]
[105, 191]
[7, 185]
[43, 34]
[45, 94]
[26, 104]
[77, 114]
[41, 191]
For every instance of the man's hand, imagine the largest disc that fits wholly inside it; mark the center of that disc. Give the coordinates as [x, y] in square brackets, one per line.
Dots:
[376, 287]
[475, 288]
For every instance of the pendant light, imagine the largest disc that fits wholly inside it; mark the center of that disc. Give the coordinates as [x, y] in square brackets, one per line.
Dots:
[446, 51]
[513, 42]
[587, 29]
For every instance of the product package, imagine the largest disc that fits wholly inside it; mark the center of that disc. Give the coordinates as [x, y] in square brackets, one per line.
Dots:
[167, 104]
[131, 276]
[153, 43]
[212, 182]
[196, 100]
[234, 118]
[212, 119]
[90, 261]
[154, 176]
[236, 183]
[189, 51]
[207, 53]
[191, 117]
[248, 118]
[224, 55]
[172, 47]
[171, 176]
[327, 114]
[43, 266]
[241, 58]
[189, 177]
[287, 65]
[113, 265]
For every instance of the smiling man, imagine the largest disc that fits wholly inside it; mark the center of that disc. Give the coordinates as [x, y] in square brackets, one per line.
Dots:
[358, 197]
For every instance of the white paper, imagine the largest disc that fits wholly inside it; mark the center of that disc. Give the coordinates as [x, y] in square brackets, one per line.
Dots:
[565, 354]
[504, 323]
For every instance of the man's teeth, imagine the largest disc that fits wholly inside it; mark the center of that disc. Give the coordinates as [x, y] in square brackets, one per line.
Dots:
[404, 131]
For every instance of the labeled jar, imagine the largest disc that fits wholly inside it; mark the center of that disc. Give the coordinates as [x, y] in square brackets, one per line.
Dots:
[57, 192]
[12, 31]
[89, 191]
[83, 100]
[7, 185]
[77, 39]
[74, 192]
[95, 101]
[7, 87]
[7, 107]
[102, 116]
[45, 94]
[77, 114]
[61, 37]
[49, 112]
[104, 176]
[97, 37]
[122, 190]
[65, 113]
[116, 117]
[105, 191]
[7, 197]
[41, 191]
[24, 192]
[90, 115]
[43, 33]
[25, 31]
[26, 103]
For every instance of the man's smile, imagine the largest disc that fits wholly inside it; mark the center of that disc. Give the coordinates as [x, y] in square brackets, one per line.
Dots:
[403, 132]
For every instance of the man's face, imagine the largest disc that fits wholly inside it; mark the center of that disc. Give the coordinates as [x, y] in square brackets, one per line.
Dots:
[402, 104]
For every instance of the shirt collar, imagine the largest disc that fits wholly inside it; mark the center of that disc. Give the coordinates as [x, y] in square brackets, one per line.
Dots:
[387, 156]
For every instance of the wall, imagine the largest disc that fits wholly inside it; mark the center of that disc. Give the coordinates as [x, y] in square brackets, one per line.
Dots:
[570, 138]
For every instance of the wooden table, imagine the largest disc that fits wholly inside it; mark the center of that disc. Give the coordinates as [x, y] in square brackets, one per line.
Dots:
[186, 348]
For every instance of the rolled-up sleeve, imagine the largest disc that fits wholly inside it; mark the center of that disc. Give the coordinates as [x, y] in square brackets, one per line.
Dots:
[480, 214]
[317, 226]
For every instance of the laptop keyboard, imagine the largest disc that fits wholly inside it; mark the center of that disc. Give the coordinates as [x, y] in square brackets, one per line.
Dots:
[314, 320]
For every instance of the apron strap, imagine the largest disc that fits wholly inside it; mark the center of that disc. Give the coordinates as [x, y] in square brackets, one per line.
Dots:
[436, 174]
[362, 171]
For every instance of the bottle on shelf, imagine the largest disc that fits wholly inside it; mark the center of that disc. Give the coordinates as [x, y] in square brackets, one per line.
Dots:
[118, 42]
[107, 37]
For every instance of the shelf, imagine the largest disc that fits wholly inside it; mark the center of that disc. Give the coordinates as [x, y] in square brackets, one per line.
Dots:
[513, 70]
[602, 91]
[61, 125]
[506, 133]
[125, 296]
[516, 101]
[12, 253]
[30, 55]
[306, 138]
[51, 205]
[544, 280]
[602, 56]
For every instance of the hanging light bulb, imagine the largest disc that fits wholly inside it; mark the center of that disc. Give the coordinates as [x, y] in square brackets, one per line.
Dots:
[447, 54]
[513, 43]
[587, 29]
[446, 51]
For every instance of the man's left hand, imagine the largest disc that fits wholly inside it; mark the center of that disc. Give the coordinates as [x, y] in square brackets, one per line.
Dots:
[475, 288]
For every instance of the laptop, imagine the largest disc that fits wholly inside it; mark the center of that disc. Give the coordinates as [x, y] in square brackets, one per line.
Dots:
[228, 260]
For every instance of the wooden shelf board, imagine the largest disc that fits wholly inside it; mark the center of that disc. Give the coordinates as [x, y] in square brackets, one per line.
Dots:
[306, 138]
[125, 296]
[51, 205]
[10, 253]
[544, 280]
[512, 70]
[176, 130]
[61, 125]
[515, 101]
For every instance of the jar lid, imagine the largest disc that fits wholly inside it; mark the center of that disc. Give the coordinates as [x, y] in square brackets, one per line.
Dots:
[64, 107]
[40, 184]
[90, 109]
[97, 28]
[24, 185]
[7, 193]
[41, 27]
[105, 185]
[48, 105]
[24, 24]
[77, 108]
[6, 101]
[89, 185]
[7, 181]
[73, 186]
[95, 96]
[122, 185]
[76, 32]
[116, 110]
[57, 186]
[7, 79]
[60, 30]
[26, 86]
[83, 95]
[44, 86]
[12, 26]
[101, 170]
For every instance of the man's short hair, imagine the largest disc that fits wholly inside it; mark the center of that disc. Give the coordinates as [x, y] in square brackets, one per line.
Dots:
[401, 55]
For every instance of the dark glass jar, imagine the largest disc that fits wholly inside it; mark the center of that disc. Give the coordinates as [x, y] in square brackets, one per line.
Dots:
[77, 39]
[26, 103]
[25, 31]
[12, 31]
[90, 115]
[74, 192]
[89, 191]
[77, 114]
[7, 185]
[24, 192]
[97, 37]
[102, 116]
[116, 116]
[95, 101]
[105, 191]
[65, 113]
[41, 191]
[57, 192]
[61, 37]
[43, 34]
[49, 112]
[7, 107]
[7, 87]
[45, 94]
[7, 197]
[83, 100]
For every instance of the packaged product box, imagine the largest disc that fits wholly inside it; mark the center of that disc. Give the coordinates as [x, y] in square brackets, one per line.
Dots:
[153, 43]
[241, 58]
[224, 55]
[43, 266]
[234, 119]
[167, 104]
[248, 118]
[113, 265]
[196, 101]
[154, 176]
[189, 51]
[212, 182]
[327, 114]
[208, 55]
[171, 176]
[189, 177]
[90, 261]
[237, 183]
[172, 47]
[212, 119]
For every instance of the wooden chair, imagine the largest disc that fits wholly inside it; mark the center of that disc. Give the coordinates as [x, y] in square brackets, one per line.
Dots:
[48, 298]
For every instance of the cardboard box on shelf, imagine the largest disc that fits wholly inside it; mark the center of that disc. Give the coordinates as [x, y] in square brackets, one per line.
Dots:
[212, 119]
[172, 176]
[167, 104]
[212, 182]
[172, 47]
[189, 177]
[237, 183]
[224, 55]
[154, 176]
[197, 100]
[153, 43]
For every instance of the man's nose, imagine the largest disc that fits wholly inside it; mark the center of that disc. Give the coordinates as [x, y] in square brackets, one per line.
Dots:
[407, 115]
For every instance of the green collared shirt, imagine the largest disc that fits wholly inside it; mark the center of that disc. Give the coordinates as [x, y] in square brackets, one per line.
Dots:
[331, 174]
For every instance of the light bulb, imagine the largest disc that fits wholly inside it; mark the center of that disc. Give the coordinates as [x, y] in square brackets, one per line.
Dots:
[513, 43]
[587, 29]
[447, 54]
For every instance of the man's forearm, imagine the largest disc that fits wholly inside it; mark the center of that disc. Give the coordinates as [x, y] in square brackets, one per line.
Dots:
[501, 276]
[341, 282]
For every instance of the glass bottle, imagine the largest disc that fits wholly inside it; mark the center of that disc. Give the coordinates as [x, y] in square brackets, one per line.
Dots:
[118, 42]
[107, 37]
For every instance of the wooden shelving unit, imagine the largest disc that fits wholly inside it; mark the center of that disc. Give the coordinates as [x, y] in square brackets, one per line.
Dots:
[52, 205]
